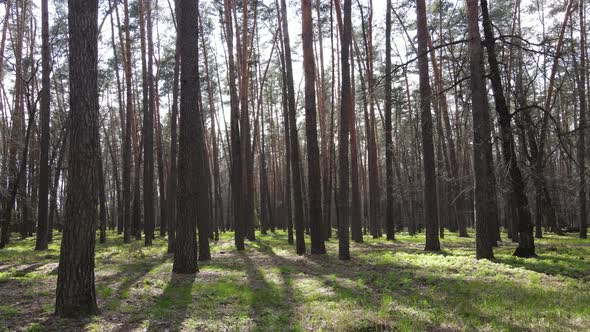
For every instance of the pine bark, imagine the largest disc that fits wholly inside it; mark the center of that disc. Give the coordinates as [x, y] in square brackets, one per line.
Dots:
[75, 295]
[42, 221]
[343, 138]
[313, 152]
[185, 253]
[481, 139]
[430, 199]
[293, 138]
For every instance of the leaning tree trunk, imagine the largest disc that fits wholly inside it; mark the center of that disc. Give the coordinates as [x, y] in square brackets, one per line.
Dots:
[526, 246]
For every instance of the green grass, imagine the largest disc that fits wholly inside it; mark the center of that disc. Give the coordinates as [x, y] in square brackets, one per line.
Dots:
[385, 286]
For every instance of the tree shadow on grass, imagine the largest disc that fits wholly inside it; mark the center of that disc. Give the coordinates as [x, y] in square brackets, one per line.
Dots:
[395, 295]
[271, 307]
[577, 268]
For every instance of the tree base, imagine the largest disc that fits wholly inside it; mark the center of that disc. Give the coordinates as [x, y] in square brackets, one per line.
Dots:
[525, 252]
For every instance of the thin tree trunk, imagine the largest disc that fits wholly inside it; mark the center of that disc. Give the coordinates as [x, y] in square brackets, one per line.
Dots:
[42, 221]
[293, 138]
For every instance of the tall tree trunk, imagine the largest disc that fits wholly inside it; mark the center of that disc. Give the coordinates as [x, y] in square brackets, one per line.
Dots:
[202, 168]
[343, 138]
[189, 163]
[581, 125]
[514, 180]
[313, 152]
[173, 169]
[481, 139]
[41, 240]
[148, 131]
[127, 154]
[236, 160]
[356, 212]
[390, 231]
[102, 214]
[293, 138]
[430, 200]
[75, 295]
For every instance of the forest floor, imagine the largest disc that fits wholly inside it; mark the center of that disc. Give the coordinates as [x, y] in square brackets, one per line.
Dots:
[385, 286]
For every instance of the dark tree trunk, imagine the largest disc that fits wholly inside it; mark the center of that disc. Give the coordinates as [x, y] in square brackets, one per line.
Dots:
[430, 200]
[148, 131]
[581, 124]
[246, 144]
[343, 144]
[515, 179]
[293, 138]
[236, 160]
[481, 139]
[172, 175]
[41, 240]
[189, 163]
[75, 295]
[313, 152]
[356, 204]
[389, 229]
[54, 189]
[127, 155]
[102, 215]
[202, 167]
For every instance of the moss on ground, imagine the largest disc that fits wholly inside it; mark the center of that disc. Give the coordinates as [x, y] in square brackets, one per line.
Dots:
[386, 286]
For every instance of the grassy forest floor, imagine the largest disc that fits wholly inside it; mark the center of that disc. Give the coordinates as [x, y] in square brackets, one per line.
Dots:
[386, 286]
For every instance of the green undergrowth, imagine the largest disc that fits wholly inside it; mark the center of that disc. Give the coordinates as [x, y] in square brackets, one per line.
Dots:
[386, 286]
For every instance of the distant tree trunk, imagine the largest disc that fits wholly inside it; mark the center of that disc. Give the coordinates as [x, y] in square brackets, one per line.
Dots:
[173, 169]
[236, 160]
[356, 204]
[102, 215]
[390, 231]
[54, 187]
[287, 195]
[202, 168]
[148, 131]
[217, 211]
[75, 295]
[246, 144]
[41, 240]
[515, 180]
[430, 200]
[17, 130]
[185, 253]
[293, 138]
[127, 155]
[581, 125]
[343, 144]
[481, 139]
[313, 152]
